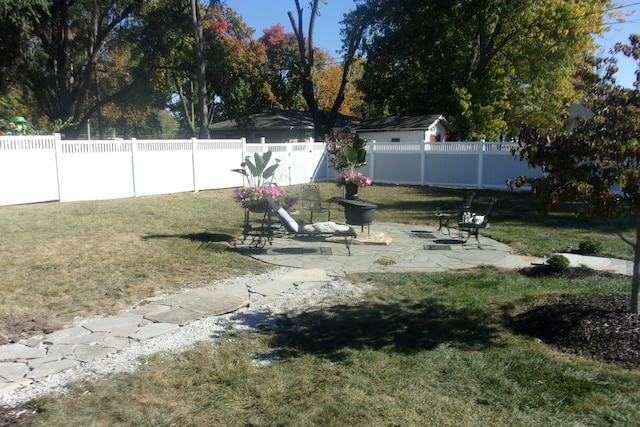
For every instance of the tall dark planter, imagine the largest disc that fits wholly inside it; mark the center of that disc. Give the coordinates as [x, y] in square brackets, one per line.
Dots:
[351, 191]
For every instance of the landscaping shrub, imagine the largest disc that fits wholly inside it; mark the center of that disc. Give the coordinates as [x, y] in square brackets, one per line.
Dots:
[558, 262]
[590, 246]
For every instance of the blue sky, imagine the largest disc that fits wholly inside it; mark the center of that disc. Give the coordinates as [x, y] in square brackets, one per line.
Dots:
[261, 14]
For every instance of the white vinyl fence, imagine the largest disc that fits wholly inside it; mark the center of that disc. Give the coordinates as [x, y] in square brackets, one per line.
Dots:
[45, 168]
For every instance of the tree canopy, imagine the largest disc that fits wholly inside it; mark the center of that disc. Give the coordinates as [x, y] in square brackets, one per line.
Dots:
[485, 64]
[597, 164]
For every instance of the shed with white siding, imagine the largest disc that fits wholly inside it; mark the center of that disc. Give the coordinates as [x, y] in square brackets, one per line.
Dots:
[426, 128]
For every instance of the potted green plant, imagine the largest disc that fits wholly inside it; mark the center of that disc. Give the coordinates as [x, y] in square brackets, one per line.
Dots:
[347, 154]
[260, 185]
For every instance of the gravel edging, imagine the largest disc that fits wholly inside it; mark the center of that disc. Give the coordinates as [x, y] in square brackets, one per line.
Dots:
[250, 318]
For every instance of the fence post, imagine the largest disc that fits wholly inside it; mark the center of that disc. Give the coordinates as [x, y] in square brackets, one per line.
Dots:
[57, 144]
[481, 164]
[194, 154]
[134, 150]
[289, 163]
[423, 150]
[310, 158]
[372, 169]
[242, 157]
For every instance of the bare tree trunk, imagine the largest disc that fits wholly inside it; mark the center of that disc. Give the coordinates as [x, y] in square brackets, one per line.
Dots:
[323, 121]
[201, 68]
[635, 280]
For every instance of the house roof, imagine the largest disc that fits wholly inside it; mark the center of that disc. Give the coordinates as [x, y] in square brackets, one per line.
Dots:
[401, 123]
[278, 119]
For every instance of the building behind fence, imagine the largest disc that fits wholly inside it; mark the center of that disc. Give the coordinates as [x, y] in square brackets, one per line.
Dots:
[45, 168]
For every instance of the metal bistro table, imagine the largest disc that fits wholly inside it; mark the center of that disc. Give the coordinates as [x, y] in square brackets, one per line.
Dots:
[261, 231]
[443, 219]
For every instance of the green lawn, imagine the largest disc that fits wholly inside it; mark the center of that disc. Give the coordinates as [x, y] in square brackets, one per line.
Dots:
[418, 349]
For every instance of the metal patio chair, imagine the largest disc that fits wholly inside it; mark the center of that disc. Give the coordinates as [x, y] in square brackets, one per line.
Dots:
[311, 201]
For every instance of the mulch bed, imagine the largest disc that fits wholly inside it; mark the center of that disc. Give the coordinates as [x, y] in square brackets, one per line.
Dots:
[598, 327]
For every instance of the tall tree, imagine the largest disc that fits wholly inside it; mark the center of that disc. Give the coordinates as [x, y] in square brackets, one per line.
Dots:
[485, 64]
[20, 18]
[281, 68]
[323, 120]
[233, 81]
[58, 54]
[201, 69]
[236, 76]
[328, 81]
[598, 164]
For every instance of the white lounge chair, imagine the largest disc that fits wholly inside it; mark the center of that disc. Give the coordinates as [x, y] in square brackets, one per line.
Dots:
[329, 229]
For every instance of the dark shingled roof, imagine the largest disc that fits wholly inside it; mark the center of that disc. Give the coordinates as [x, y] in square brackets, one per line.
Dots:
[279, 119]
[400, 123]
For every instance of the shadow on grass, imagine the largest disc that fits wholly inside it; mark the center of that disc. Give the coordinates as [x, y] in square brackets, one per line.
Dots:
[403, 327]
[513, 207]
[208, 241]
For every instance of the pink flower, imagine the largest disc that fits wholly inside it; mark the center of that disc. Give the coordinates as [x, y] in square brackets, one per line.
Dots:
[357, 178]
[259, 194]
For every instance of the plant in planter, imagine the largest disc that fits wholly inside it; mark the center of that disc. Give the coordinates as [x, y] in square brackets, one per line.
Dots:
[348, 154]
[261, 187]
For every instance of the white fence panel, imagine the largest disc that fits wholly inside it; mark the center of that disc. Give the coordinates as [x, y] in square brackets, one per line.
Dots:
[317, 162]
[452, 169]
[28, 170]
[213, 162]
[298, 160]
[163, 166]
[44, 168]
[498, 167]
[281, 153]
[94, 170]
[396, 163]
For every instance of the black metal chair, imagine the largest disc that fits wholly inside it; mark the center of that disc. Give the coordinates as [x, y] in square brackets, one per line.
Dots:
[473, 225]
[444, 217]
[311, 201]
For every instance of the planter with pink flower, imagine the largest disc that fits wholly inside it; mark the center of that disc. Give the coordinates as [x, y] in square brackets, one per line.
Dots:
[260, 187]
[347, 154]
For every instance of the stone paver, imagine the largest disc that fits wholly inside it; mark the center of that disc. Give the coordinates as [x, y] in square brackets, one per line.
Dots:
[389, 248]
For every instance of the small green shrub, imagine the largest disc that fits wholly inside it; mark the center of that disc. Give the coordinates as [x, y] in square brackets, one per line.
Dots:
[558, 262]
[590, 246]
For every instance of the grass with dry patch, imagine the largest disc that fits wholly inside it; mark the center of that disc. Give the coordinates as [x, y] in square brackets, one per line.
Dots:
[419, 349]
[66, 260]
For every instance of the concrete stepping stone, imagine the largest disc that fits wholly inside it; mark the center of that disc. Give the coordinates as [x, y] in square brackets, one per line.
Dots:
[49, 368]
[122, 324]
[176, 316]
[67, 336]
[13, 371]
[273, 287]
[207, 302]
[20, 351]
[238, 290]
[86, 353]
[152, 308]
[153, 330]
[58, 351]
